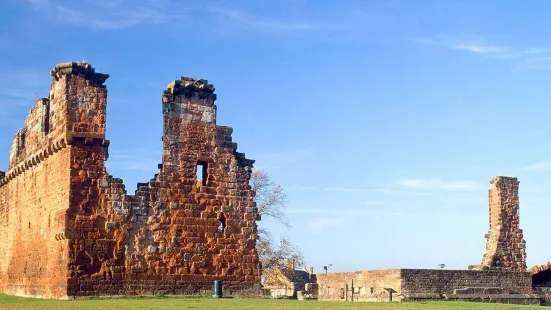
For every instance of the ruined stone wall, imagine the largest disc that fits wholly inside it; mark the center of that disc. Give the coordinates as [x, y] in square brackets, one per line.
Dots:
[368, 285]
[442, 281]
[34, 195]
[413, 284]
[33, 256]
[505, 246]
[176, 235]
[176, 239]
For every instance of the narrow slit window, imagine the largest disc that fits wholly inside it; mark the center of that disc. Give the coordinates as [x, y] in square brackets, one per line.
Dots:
[45, 116]
[202, 173]
[20, 138]
[222, 225]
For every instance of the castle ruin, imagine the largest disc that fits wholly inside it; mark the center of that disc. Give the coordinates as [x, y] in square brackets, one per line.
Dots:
[69, 229]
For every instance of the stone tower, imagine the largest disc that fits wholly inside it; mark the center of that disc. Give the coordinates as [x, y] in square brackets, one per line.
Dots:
[40, 193]
[505, 246]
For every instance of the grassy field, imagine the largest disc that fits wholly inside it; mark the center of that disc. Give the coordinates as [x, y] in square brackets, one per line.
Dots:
[168, 303]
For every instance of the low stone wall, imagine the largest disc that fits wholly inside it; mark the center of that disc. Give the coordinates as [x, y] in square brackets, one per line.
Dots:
[367, 285]
[441, 281]
[417, 284]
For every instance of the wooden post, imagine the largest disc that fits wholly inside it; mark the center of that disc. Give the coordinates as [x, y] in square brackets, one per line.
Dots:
[390, 292]
[352, 291]
[346, 293]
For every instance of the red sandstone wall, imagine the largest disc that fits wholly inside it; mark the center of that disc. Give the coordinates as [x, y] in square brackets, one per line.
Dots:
[100, 241]
[32, 221]
[423, 281]
[174, 243]
[369, 285]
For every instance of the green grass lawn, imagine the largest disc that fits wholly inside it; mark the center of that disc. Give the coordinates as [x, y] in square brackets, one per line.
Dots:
[168, 303]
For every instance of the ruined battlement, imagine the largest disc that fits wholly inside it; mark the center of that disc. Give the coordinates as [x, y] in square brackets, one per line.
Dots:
[502, 180]
[189, 99]
[80, 69]
[74, 108]
[190, 88]
[69, 229]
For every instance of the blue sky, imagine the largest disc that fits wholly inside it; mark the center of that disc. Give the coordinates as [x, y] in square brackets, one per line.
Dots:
[383, 120]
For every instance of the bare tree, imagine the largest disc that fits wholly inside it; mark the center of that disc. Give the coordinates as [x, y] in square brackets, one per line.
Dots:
[271, 201]
[270, 197]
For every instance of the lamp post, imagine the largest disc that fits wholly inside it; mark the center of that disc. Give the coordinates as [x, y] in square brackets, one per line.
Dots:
[326, 268]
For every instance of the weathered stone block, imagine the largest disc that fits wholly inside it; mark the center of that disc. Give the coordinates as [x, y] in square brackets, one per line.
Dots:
[112, 225]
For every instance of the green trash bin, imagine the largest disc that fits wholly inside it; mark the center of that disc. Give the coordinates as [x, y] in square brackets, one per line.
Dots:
[217, 289]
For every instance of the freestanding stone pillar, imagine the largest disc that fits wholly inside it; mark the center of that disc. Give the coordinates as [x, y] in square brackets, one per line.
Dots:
[505, 246]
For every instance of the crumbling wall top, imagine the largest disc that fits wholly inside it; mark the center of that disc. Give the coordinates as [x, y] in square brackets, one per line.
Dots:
[189, 88]
[79, 68]
[540, 268]
[498, 179]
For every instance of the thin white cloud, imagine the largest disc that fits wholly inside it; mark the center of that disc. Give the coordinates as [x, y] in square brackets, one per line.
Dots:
[118, 14]
[354, 213]
[300, 188]
[437, 184]
[377, 191]
[539, 167]
[340, 212]
[522, 57]
[347, 189]
[259, 23]
[320, 225]
[478, 48]
[102, 15]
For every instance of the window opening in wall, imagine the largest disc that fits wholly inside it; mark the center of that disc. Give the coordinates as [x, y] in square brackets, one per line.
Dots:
[45, 116]
[20, 140]
[371, 290]
[29, 224]
[202, 172]
[222, 220]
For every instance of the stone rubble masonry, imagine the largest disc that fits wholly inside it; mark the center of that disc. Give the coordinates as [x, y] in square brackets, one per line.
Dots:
[69, 229]
[418, 284]
[505, 246]
[444, 281]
